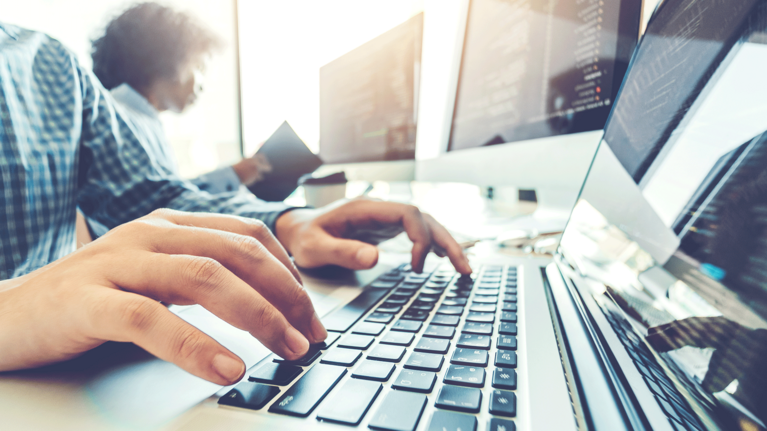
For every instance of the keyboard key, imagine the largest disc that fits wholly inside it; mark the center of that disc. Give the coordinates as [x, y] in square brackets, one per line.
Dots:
[414, 314]
[428, 298]
[478, 328]
[275, 374]
[424, 361]
[435, 291]
[349, 404]
[395, 302]
[465, 376]
[415, 381]
[473, 341]
[389, 310]
[510, 290]
[436, 331]
[487, 292]
[473, 316]
[509, 298]
[482, 308]
[361, 342]
[342, 357]
[503, 403]
[508, 329]
[458, 294]
[460, 399]
[344, 318]
[445, 320]
[455, 301]
[506, 342]
[404, 292]
[383, 284]
[508, 306]
[398, 338]
[387, 353]
[379, 317]
[497, 424]
[448, 421]
[314, 352]
[332, 338]
[422, 306]
[399, 411]
[301, 398]
[453, 310]
[505, 378]
[407, 326]
[506, 358]
[470, 357]
[485, 299]
[368, 328]
[508, 316]
[433, 345]
[249, 395]
[374, 370]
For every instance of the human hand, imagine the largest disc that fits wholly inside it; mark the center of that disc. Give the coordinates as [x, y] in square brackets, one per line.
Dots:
[342, 234]
[110, 290]
[252, 170]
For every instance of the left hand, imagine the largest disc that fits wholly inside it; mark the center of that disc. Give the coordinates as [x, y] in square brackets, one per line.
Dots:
[344, 234]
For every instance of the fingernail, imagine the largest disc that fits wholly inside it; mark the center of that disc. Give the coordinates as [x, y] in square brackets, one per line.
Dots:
[318, 329]
[366, 256]
[296, 342]
[228, 368]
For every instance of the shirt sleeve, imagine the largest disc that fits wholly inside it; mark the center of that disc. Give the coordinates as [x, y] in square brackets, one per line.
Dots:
[120, 178]
[221, 180]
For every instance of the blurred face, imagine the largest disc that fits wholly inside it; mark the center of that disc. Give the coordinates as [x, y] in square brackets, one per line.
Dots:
[180, 92]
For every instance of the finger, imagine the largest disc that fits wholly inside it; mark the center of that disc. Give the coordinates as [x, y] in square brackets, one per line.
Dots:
[185, 280]
[418, 232]
[240, 225]
[348, 253]
[250, 261]
[444, 241]
[127, 317]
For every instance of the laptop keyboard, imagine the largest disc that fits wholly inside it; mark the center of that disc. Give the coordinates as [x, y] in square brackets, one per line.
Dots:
[409, 340]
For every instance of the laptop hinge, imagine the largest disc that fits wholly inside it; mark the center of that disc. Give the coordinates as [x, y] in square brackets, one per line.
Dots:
[596, 404]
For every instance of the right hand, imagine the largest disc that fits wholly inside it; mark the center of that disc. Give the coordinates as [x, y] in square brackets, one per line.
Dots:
[252, 169]
[111, 288]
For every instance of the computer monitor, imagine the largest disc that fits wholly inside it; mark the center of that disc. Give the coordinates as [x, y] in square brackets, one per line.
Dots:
[369, 106]
[534, 82]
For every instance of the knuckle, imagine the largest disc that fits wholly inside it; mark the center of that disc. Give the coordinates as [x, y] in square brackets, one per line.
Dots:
[258, 229]
[137, 313]
[162, 213]
[205, 272]
[189, 345]
[248, 246]
[413, 210]
[264, 317]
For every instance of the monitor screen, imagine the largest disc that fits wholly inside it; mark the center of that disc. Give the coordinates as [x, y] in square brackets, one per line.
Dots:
[532, 68]
[672, 218]
[369, 98]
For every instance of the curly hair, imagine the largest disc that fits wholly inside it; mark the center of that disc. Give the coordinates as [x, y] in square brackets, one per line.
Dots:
[146, 42]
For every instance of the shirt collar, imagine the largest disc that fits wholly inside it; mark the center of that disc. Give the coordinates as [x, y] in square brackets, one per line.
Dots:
[126, 95]
[10, 30]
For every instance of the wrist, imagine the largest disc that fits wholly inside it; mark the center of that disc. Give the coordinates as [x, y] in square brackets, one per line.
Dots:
[288, 224]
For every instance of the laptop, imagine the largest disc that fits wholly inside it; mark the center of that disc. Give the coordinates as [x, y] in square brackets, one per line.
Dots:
[651, 315]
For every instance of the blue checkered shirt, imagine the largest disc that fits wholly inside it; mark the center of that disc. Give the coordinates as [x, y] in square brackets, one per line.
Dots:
[65, 143]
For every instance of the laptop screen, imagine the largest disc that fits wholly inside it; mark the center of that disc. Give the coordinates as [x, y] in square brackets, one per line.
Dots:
[672, 218]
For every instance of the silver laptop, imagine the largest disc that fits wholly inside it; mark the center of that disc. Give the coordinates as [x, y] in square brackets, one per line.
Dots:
[652, 314]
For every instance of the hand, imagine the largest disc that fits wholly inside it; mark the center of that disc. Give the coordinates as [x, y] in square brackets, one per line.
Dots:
[253, 169]
[110, 290]
[342, 234]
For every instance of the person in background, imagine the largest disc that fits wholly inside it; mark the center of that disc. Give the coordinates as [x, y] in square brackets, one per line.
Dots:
[153, 59]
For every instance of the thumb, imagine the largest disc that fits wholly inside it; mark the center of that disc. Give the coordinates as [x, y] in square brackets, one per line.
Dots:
[348, 253]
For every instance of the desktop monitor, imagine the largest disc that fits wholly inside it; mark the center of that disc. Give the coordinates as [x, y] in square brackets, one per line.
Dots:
[533, 86]
[369, 106]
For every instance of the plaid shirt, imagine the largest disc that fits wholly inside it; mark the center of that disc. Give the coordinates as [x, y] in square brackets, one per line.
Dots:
[64, 143]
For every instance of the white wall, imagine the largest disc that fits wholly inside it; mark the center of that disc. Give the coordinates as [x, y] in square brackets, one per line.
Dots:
[207, 134]
[283, 45]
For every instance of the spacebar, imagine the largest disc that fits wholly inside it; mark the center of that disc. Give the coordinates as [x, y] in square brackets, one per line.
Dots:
[343, 319]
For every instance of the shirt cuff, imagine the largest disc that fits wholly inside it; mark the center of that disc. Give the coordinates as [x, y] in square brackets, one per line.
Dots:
[221, 180]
